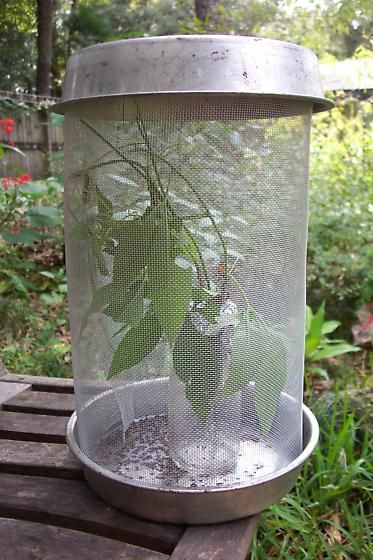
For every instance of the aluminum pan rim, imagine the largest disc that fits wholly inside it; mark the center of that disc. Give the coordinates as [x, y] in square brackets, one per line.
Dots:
[309, 447]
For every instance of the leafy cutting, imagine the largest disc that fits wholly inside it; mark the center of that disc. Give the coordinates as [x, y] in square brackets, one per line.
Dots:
[158, 287]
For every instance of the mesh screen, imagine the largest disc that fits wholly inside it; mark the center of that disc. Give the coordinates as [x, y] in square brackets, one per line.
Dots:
[186, 223]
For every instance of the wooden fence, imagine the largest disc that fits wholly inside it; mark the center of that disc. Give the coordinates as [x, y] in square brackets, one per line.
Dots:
[33, 134]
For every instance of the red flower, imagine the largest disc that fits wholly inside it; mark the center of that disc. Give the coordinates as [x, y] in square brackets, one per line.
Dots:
[24, 178]
[15, 231]
[7, 126]
[6, 182]
[11, 143]
[13, 181]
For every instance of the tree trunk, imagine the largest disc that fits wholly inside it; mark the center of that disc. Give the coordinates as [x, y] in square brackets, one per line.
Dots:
[205, 9]
[45, 12]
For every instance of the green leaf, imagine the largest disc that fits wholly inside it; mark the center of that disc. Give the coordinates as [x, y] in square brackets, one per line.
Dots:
[147, 241]
[97, 245]
[333, 350]
[57, 156]
[42, 216]
[53, 298]
[136, 344]
[19, 283]
[81, 231]
[131, 255]
[309, 317]
[244, 356]
[47, 274]
[321, 372]
[329, 327]
[105, 207]
[200, 295]
[313, 336]
[127, 307]
[170, 291]
[25, 236]
[34, 188]
[259, 353]
[197, 365]
[271, 377]
[101, 298]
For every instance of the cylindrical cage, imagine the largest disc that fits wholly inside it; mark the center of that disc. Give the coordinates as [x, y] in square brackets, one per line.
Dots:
[186, 227]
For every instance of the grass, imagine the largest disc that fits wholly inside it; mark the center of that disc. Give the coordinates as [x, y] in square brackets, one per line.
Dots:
[327, 514]
[33, 311]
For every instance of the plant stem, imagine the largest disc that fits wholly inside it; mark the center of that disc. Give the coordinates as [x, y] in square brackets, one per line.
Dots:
[149, 151]
[198, 251]
[206, 209]
[250, 309]
[136, 166]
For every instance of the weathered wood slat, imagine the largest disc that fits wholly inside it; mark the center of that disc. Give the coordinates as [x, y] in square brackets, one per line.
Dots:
[32, 427]
[72, 504]
[48, 384]
[224, 541]
[8, 390]
[52, 509]
[24, 540]
[36, 402]
[38, 459]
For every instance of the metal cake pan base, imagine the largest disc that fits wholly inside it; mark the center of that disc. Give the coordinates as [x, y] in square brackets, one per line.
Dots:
[190, 506]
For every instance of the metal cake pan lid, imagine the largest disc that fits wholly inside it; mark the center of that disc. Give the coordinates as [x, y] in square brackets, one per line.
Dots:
[185, 64]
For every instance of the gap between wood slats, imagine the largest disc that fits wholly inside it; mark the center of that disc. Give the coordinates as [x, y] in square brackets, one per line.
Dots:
[43, 384]
[35, 402]
[38, 459]
[22, 540]
[32, 427]
[72, 504]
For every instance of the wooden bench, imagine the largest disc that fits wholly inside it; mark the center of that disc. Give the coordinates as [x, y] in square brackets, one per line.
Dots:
[47, 512]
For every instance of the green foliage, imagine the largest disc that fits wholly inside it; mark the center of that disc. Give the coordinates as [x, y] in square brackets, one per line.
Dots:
[340, 248]
[13, 272]
[196, 363]
[33, 314]
[331, 29]
[326, 516]
[87, 25]
[159, 285]
[258, 351]
[317, 345]
[17, 44]
[238, 18]
[22, 217]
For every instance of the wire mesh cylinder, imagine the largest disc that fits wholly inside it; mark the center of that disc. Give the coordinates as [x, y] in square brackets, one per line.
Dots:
[186, 224]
